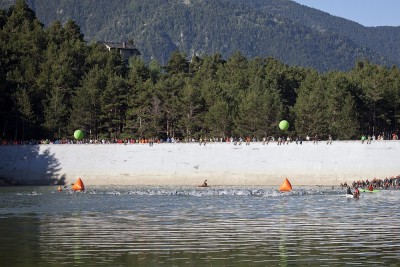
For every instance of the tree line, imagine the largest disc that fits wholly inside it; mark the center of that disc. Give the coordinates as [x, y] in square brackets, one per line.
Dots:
[53, 82]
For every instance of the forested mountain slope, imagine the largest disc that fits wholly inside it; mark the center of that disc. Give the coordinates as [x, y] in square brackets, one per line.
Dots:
[282, 29]
[384, 40]
[53, 82]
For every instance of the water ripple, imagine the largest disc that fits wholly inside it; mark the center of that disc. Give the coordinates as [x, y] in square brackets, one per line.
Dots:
[216, 226]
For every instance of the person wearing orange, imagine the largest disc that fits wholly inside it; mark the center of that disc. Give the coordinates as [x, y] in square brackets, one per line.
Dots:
[370, 187]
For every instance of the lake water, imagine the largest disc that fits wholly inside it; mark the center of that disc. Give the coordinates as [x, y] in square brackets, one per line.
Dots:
[216, 226]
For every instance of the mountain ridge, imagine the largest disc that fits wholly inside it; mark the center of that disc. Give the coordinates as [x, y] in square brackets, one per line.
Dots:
[293, 33]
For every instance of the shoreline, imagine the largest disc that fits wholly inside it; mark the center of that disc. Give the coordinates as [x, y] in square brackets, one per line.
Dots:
[222, 164]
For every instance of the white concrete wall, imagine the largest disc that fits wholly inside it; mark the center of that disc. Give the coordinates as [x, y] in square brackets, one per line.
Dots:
[190, 164]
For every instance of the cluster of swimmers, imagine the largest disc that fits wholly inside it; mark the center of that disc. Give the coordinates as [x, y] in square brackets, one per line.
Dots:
[387, 183]
[356, 192]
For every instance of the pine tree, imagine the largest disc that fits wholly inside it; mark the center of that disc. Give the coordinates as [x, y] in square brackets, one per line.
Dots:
[341, 115]
[309, 110]
[23, 41]
[87, 110]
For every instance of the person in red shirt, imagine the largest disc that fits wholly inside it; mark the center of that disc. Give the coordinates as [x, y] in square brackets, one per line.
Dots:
[356, 192]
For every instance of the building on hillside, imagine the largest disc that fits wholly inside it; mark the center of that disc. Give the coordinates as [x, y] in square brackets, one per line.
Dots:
[126, 50]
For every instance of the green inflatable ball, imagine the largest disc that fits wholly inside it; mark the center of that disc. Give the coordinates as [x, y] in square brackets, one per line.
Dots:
[284, 125]
[78, 134]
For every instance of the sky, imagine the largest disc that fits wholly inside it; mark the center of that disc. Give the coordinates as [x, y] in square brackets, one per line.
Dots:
[364, 12]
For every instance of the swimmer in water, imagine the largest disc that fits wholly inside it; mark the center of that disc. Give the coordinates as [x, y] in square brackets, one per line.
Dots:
[349, 191]
[356, 192]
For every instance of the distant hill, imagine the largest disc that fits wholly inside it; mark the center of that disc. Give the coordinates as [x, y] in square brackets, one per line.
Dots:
[283, 29]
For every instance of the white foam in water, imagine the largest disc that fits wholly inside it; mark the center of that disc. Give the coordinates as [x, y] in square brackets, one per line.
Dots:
[239, 191]
[213, 191]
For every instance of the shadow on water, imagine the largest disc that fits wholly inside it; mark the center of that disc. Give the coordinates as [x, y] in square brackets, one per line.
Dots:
[29, 165]
[25, 232]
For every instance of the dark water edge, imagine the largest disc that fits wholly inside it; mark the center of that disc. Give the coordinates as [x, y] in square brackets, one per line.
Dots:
[227, 226]
[8, 182]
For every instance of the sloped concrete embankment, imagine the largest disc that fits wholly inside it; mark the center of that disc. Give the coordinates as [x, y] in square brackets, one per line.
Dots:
[191, 164]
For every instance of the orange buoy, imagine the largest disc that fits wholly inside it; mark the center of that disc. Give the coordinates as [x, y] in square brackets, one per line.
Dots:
[78, 185]
[286, 186]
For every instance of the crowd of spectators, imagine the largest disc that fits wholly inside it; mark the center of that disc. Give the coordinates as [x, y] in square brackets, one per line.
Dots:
[280, 140]
[83, 141]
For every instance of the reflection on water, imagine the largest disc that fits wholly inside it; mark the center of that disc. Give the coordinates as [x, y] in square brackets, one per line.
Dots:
[158, 226]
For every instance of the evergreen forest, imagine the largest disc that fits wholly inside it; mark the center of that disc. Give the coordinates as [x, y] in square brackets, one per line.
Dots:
[283, 29]
[54, 82]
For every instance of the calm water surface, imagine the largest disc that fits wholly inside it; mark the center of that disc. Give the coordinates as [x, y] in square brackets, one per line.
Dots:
[216, 226]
